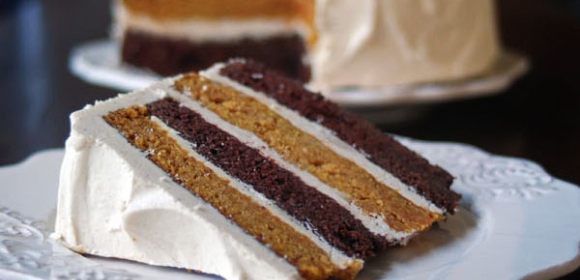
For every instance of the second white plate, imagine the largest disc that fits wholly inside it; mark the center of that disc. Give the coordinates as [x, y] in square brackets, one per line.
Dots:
[98, 63]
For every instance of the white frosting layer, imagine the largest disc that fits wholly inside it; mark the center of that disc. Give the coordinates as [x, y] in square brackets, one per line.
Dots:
[374, 223]
[114, 203]
[373, 43]
[337, 257]
[200, 30]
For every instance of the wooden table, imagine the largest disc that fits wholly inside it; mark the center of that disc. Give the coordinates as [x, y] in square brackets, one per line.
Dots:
[538, 118]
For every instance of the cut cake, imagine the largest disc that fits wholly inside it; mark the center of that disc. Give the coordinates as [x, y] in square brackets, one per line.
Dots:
[241, 172]
[332, 43]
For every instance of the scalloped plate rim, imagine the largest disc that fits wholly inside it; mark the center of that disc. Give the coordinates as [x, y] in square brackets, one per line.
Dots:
[476, 205]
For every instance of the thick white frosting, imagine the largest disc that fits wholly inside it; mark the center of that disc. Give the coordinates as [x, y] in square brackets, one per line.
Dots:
[374, 43]
[114, 203]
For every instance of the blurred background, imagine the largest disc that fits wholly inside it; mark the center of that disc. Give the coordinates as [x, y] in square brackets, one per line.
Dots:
[537, 118]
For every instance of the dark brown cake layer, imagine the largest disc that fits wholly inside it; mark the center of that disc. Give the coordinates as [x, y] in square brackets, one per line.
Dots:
[168, 56]
[314, 209]
[430, 181]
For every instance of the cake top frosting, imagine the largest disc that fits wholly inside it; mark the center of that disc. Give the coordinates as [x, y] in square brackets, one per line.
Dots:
[375, 43]
[368, 44]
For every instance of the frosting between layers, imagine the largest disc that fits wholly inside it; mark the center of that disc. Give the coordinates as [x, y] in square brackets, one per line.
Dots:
[139, 200]
[373, 223]
[330, 139]
[336, 256]
[308, 153]
[331, 221]
[430, 181]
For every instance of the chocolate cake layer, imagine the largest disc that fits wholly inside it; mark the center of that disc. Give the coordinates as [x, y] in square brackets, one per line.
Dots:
[167, 56]
[311, 261]
[333, 222]
[308, 153]
[430, 181]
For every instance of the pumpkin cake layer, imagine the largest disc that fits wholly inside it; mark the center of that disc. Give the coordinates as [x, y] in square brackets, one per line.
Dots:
[140, 131]
[218, 9]
[308, 153]
[428, 180]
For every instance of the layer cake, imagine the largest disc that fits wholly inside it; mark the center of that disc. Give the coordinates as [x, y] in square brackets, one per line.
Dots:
[241, 172]
[332, 43]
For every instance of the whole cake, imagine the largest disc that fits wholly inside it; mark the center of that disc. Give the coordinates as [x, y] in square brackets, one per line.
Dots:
[332, 43]
[241, 172]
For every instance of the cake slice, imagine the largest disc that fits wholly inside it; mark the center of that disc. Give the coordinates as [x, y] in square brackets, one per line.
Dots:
[241, 172]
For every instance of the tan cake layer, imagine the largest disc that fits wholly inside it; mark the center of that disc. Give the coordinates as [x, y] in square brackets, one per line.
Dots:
[311, 261]
[219, 9]
[307, 152]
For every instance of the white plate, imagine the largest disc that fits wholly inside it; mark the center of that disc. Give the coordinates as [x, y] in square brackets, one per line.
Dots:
[515, 221]
[98, 63]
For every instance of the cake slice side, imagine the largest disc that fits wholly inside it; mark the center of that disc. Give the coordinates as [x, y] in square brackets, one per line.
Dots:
[379, 148]
[308, 153]
[201, 154]
[132, 224]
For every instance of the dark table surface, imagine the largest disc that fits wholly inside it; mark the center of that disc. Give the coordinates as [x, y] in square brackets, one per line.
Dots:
[537, 118]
